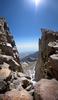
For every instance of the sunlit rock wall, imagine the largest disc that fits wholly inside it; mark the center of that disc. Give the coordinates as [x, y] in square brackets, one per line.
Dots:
[9, 55]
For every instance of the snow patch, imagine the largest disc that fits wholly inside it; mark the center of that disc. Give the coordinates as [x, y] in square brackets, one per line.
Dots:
[8, 44]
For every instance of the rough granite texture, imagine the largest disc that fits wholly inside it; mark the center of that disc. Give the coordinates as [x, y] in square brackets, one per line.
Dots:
[14, 84]
[46, 66]
[8, 51]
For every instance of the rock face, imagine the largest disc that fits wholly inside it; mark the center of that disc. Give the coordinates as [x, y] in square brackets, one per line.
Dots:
[14, 84]
[46, 66]
[8, 52]
[46, 90]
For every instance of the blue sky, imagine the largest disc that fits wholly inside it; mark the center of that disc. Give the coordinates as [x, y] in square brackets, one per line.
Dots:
[25, 20]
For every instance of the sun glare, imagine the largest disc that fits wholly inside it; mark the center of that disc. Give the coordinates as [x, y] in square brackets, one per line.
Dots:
[37, 2]
[34, 3]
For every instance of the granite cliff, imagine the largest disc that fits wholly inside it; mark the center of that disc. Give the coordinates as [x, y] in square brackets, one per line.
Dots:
[13, 82]
[47, 63]
[46, 70]
[8, 50]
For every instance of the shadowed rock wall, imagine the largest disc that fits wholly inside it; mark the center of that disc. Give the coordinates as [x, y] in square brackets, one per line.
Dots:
[46, 66]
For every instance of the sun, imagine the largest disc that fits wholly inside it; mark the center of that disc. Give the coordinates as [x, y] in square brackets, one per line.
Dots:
[34, 3]
[37, 2]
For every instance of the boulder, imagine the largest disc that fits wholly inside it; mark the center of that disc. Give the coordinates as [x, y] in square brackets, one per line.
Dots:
[53, 44]
[54, 65]
[5, 73]
[46, 90]
[13, 64]
[17, 95]
[7, 48]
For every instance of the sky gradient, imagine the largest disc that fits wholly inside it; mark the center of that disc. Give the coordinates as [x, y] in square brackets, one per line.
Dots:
[25, 20]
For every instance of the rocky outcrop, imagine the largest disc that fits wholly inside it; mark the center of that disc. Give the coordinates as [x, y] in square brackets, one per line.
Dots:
[14, 84]
[46, 90]
[9, 57]
[8, 50]
[46, 66]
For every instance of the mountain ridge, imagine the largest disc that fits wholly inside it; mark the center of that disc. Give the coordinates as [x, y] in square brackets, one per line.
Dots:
[31, 57]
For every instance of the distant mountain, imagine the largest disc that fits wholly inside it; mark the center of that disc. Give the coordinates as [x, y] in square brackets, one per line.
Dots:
[31, 57]
[24, 54]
